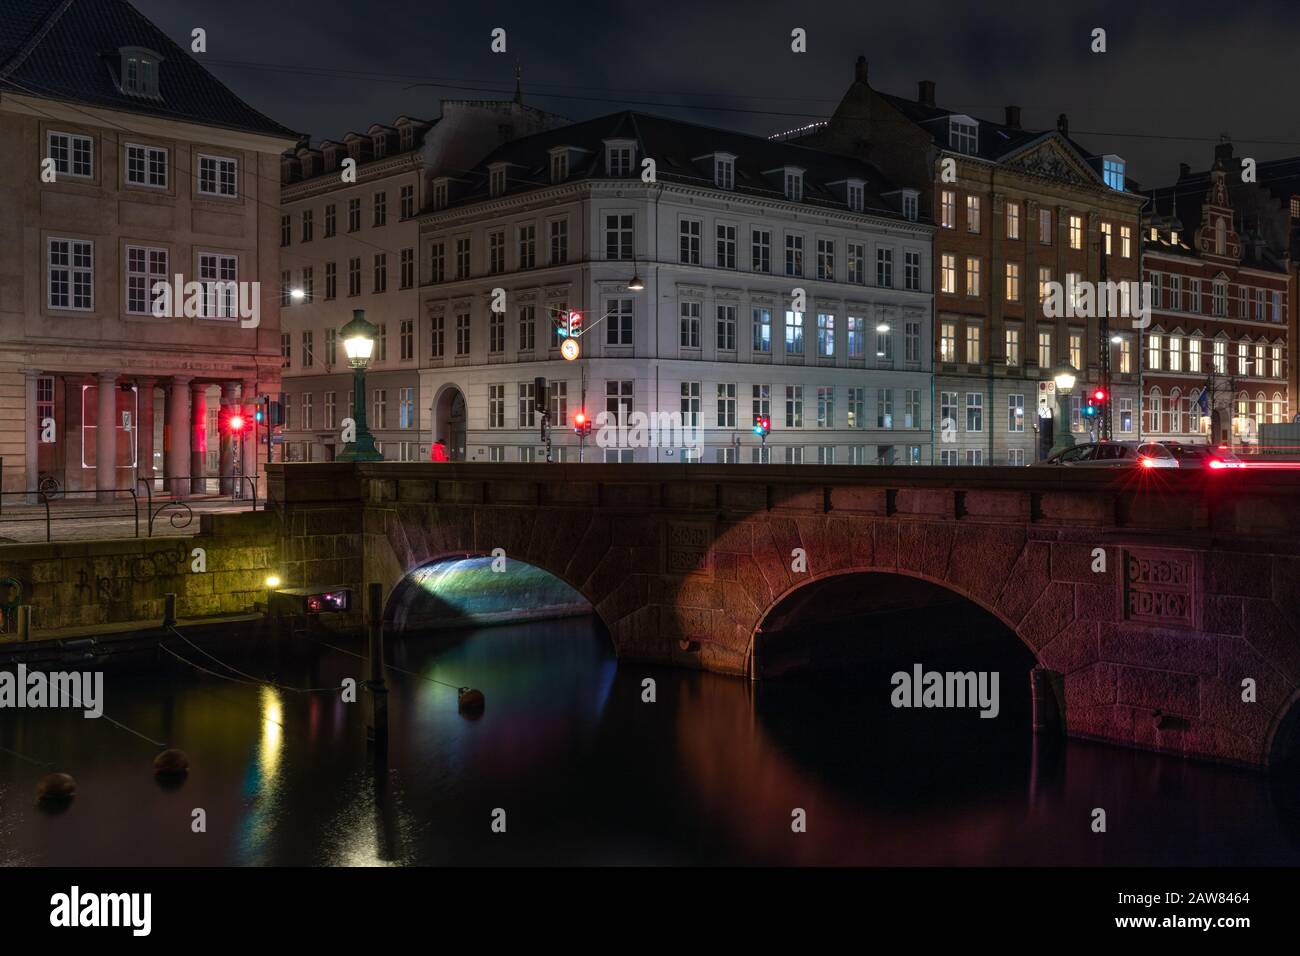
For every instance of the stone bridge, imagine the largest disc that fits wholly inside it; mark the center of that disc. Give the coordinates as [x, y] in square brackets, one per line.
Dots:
[1157, 603]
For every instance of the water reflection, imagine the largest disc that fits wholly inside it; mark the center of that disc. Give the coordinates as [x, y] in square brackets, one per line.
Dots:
[589, 773]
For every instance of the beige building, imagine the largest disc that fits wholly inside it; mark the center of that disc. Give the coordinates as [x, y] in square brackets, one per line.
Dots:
[349, 239]
[125, 166]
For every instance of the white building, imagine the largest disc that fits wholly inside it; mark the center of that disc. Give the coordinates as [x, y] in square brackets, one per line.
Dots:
[349, 233]
[726, 236]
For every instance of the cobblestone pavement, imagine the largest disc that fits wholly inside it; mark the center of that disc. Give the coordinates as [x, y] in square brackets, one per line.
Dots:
[89, 520]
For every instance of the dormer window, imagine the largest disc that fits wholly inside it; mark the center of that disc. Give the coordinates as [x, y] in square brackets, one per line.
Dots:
[1112, 168]
[439, 198]
[724, 171]
[963, 134]
[794, 184]
[1295, 207]
[1173, 237]
[618, 159]
[911, 204]
[380, 143]
[559, 165]
[407, 138]
[496, 179]
[139, 76]
[855, 194]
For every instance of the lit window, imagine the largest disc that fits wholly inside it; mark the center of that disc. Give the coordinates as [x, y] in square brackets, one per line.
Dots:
[963, 134]
[139, 72]
[1113, 172]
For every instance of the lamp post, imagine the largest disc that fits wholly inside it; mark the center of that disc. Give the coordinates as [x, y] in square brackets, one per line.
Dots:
[1061, 435]
[359, 344]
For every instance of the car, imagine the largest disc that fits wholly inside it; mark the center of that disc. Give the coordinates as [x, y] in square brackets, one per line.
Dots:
[1202, 456]
[1114, 454]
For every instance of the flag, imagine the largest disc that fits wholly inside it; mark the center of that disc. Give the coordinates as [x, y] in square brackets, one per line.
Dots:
[1203, 400]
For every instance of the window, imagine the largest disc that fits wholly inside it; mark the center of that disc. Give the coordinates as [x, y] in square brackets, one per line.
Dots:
[974, 411]
[690, 404]
[884, 408]
[462, 258]
[380, 278]
[354, 215]
[761, 401]
[618, 399]
[825, 406]
[1013, 282]
[726, 405]
[963, 135]
[527, 404]
[354, 277]
[948, 342]
[1045, 226]
[762, 322]
[462, 333]
[1013, 347]
[1076, 350]
[329, 221]
[380, 209]
[1154, 344]
[618, 327]
[825, 335]
[379, 406]
[857, 326]
[559, 398]
[885, 268]
[726, 338]
[690, 325]
[1175, 353]
[73, 155]
[793, 455]
[308, 352]
[948, 414]
[1076, 232]
[1220, 357]
[408, 201]
[724, 172]
[496, 252]
[794, 255]
[794, 406]
[911, 341]
[496, 406]
[1013, 220]
[218, 176]
[527, 246]
[329, 410]
[1126, 355]
[761, 250]
[948, 273]
[559, 229]
[1126, 414]
[618, 236]
[948, 209]
[285, 288]
[826, 259]
[793, 333]
[1113, 172]
[912, 270]
[856, 259]
[884, 343]
[1126, 242]
[331, 347]
[307, 409]
[1045, 349]
[381, 343]
[857, 407]
[139, 75]
[618, 160]
[437, 336]
[286, 350]
[972, 345]
[440, 194]
[1194, 296]
[911, 408]
[973, 276]
[496, 181]
[726, 246]
[794, 185]
[218, 273]
[973, 214]
[688, 231]
[145, 266]
[911, 205]
[974, 456]
[1015, 413]
[147, 166]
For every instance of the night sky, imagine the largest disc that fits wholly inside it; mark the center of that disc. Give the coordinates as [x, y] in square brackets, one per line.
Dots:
[1176, 74]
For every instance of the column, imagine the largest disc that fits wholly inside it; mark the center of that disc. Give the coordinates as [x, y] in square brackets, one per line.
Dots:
[249, 465]
[198, 427]
[144, 431]
[31, 436]
[178, 435]
[229, 403]
[106, 436]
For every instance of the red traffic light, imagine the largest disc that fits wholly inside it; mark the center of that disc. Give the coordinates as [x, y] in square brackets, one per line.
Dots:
[1099, 395]
[236, 423]
[580, 418]
[575, 319]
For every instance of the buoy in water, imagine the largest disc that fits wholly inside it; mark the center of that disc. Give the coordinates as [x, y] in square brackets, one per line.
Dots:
[56, 788]
[471, 702]
[171, 763]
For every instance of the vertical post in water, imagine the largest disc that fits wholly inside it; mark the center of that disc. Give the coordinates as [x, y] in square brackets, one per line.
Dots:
[377, 715]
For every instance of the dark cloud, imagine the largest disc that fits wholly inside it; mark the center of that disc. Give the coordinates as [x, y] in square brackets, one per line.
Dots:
[1176, 74]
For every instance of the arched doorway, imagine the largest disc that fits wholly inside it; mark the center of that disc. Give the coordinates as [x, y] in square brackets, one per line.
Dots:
[449, 418]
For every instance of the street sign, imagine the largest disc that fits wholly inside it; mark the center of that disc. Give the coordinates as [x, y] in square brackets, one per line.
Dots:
[277, 439]
[570, 349]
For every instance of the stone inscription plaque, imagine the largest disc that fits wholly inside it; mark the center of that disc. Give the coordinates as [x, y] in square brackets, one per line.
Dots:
[688, 548]
[1159, 587]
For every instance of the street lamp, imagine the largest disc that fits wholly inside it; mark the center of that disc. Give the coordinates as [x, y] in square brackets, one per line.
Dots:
[359, 344]
[1061, 436]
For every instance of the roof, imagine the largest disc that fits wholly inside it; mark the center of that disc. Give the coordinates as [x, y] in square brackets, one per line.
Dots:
[68, 50]
[680, 150]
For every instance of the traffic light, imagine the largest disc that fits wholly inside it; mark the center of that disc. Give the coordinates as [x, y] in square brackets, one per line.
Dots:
[1095, 401]
[1099, 396]
[232, 420]
[581, 424]
[762, 426]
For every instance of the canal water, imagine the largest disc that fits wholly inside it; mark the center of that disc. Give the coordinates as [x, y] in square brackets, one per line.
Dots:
[587, 772]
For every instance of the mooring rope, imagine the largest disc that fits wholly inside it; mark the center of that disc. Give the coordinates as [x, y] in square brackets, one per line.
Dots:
[402, 670]
[251, 679]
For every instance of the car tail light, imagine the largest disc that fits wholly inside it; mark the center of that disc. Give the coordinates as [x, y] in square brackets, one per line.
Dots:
[1147, 462]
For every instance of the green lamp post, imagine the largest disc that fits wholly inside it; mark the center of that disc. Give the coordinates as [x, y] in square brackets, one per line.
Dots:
[1061, 435]
[359, 344]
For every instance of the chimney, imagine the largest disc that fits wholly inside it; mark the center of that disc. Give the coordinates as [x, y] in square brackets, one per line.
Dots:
[860, 70]
[1184, 170]
[1013, 117]
[1223, 153]
[1063, 124]
[925, 92]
